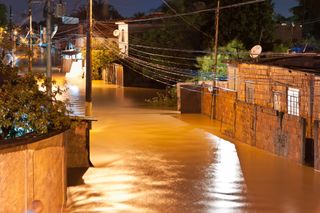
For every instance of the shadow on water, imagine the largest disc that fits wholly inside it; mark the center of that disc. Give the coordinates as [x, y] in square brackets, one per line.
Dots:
[75, 176]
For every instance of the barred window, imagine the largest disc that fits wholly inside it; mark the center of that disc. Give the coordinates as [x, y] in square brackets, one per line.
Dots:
[249, 92]
[276, 101]
[293, 101]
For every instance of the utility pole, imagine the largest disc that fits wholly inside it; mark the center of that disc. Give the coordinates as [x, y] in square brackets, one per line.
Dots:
[88, 104]
[215, 68]
[12, 36]
[49, 65]
[10, 25]
[30, 37]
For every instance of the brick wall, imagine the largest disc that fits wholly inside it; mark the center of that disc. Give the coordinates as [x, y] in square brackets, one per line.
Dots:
[267, 80]
[245, 126]
[206, 101]
[189, 98]
[225, 106]
[256, 125]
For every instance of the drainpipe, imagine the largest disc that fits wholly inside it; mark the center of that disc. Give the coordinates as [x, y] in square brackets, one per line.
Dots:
[303, 123]
[316, 145]
[311, 105]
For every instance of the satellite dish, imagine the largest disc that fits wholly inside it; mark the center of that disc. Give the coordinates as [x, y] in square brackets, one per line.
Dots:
[116, 33]
[255, 51]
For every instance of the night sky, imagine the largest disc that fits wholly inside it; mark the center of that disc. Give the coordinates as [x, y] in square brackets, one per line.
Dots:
[125, 7]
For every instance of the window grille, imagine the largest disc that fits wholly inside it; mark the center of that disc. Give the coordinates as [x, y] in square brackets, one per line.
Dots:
[249, 92]
[293, 101]
[276, 101]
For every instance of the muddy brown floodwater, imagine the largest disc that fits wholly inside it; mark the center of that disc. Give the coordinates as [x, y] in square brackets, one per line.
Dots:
[150, 160]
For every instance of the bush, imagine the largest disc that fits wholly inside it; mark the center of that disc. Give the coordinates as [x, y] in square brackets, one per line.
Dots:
[25, 108]
[234, 50]
[167, 99]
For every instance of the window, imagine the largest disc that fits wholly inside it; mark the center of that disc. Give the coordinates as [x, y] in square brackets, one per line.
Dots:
[123, 36]
[276, 101]
[293, 101]
[249, 92]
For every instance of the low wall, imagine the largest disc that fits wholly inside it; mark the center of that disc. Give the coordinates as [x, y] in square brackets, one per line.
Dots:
[189, 98]
[33, 171]
[255, 125]
[77, 145]
[206, 102]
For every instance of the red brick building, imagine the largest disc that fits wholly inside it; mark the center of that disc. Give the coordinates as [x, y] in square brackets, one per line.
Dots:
[273, 105]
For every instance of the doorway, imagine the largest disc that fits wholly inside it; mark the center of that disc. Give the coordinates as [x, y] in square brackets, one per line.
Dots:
[309, 152]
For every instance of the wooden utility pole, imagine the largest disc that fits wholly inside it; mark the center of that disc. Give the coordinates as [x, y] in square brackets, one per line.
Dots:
[215, 68]
[30, 37]
[49, 45]
[88, 104]
[10, 26]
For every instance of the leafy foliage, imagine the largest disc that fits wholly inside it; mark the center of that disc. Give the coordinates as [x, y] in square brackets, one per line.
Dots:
[307, 12]
[3, 15]
[233, 50]
[246, 23]
[101, 11]
[104, 52]
[167, 99]
[281, 48]
[24, 108]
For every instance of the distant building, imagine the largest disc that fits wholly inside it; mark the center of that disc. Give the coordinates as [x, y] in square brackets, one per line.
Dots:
[278, 106]
[273, 104]
[288, 33]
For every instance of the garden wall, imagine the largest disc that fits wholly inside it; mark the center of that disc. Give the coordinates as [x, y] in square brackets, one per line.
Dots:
[33, 171]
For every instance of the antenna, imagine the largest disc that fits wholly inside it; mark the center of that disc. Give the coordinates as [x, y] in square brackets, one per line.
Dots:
[255, 51]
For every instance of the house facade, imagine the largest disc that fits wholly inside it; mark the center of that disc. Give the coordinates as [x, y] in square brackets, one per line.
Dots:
[273, 105]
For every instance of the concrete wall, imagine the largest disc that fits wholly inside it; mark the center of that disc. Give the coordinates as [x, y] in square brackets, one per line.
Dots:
[34, 171]
[76, 146]
[189, 97]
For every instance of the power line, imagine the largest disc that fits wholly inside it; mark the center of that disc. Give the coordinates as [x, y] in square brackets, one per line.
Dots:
[196, 12]
[171, 49]
[185, 20]
[163, 56]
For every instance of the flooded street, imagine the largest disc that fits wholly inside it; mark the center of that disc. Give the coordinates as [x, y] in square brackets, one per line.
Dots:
[151, 160]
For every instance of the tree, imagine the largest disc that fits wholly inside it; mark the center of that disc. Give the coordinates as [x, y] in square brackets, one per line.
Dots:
[3, 15]
[101, 11]
[246, 23]
[307, 13]
[193, 34]
[24, 108]
[234, 50]
[138, 15]
[104, 52]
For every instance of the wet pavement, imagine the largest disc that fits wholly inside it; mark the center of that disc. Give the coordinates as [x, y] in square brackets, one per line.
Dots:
[151, 160]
